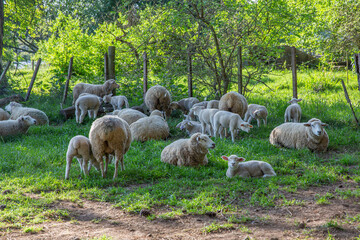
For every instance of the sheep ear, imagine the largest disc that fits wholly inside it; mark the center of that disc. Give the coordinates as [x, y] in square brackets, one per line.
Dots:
[250, 126]
[225, 158]
[324, 124]
[307, 124]
[198, 138]
[240, 159]
[299, 100]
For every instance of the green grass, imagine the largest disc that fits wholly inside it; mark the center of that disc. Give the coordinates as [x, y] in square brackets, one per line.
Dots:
[32, 166]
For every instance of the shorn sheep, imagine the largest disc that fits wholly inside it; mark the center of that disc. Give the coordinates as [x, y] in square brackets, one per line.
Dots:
[188, 152]
[234, 102]
[117, 102]
[293, 112]
[110, 135]
[253, 168]
[224, 119]
[158, 98]
[309, 135]
[15, 127]
[4, 115]
[191, 127]
[17, 110]
[80, 148]
[99, 90]
[184, 104]
[88, 103]
[129, 115]
[257, 112]
[152, 127]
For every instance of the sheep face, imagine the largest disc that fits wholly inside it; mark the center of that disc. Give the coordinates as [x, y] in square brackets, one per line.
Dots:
[316, 127]
[11, 105]
[204, 140]
[111, 84]
[174, 105]
[107, 98]
[245, 127]
[233, 160]
[29, 120]
[294, 100]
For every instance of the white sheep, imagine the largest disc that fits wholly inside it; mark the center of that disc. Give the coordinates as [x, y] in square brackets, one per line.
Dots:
[80, 148]
[184, 104]
[309, 135]
[129, 115]
[257, 112]
[213, 104]
[97, 89]
[17, 110]
[110, 135]
[293, 112]
[18, 126]
[158, 98]
[224, 119]
[206, 117]
[88, 103]
[188, 152]
[191, 116]
[234, 102]
[4, 115]
[246, 169]
[152, 127]
[191, 127]
[117, 102]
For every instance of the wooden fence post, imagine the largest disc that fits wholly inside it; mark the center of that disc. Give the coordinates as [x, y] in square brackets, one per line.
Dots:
[33, 79]
[190, 71]
[68, 80]
[357, 68]
[293, 68]
[111, 62]
[240, 68]
[4, 72]
[106, 67]
[145, 70]
[348, 100]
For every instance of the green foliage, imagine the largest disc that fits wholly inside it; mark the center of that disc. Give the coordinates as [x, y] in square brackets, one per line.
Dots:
[215, 227]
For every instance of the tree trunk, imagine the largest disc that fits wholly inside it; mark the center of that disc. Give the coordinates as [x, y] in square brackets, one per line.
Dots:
[33, 79]
[240, 68]
[111, 62]
[68, 80]
[1, 35]
[190, 80]
[293, 68]
[106, 67]
[357, 68]
[145, 79]
[3, 75]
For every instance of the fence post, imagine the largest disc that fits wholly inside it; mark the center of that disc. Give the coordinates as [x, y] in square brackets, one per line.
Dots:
[33, 79]
[68, 80]
[106, 67]
[348, 100]
[4, 72]
[240, 68]
[357, 68]
[190, 71]
[145, 70]
[111, 62]
[293, 68]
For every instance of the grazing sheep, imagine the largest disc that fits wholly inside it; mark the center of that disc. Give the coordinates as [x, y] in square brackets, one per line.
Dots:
[293, 112]
[246, 169]
[99, 90]
[80, 147]
[191, 127]
[213, 104]
[206, 117]
[309, 135]
[158, 98]
[18, 126]
[152, 127]
[191, 116]
[110, 135]
[4, 115]
[234, 102]
[224, 119]
[258, 112]
[88, 103]
[17, 110]
[117, 102]
[129, 115]
[188, 152]
[184, 104]
[142, 108]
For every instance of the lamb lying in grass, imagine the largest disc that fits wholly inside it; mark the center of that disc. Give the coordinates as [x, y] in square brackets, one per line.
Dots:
[246, 169]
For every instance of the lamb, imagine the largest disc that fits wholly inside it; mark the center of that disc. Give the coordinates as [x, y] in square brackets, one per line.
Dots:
[224, 119]
[309, 135]
[117, 102]
[142, 108]
[4, 115]
[191, 127]
[88, 103]
[184, 104]
[15, 127]
[158, 98]
[293, 112]
[80, 147]
[251, 168]
[152, 127]
[234, 102]
[213, 104]
[17, 110]
[99, 90]
[205, 117]
[191, 116]
[188, 152]
[258, 112]
[129, 115]
[110, 135]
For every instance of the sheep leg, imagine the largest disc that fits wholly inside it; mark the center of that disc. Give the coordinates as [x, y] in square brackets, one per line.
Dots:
[95, 112]
[68, 165]
[101, 163]
[249, 120]
[77, 115]
[85, 166]
[258, 122]
[265, 121]
[233, 134]
[246, 117]
[203, 127]
[211, 129]
[118, 158]
[82, 116]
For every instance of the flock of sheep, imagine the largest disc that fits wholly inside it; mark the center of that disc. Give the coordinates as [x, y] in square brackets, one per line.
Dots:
[110, 136]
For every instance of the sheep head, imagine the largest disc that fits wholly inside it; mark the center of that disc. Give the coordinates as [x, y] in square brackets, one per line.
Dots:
[316, 126]
[233, 160]
[294, 100]
[204, 140]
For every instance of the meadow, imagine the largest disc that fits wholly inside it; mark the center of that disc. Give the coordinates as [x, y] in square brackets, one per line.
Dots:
[32, 168]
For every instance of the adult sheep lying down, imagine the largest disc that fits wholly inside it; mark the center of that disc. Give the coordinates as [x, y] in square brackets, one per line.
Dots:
[17, 110]
[309, 135]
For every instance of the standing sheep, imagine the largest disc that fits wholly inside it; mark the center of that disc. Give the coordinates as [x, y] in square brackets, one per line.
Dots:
[142, 108]
[158, 98]
[188, 152]
[99, 90]
[117, 102]
[234, 102]
[293, 112]
[184, 104]
[206, 117]
[258, 112]
[246, 169]
[88, 103]
[18, 126]
[152, 127]
[80, 147]
[4, 115]
[17, 110]
[129, 115]
[309, 135]
[110, 135]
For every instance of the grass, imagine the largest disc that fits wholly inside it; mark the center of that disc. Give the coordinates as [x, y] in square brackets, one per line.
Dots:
[32, 166]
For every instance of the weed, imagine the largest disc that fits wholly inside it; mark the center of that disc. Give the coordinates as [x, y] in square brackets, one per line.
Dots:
[32, 229]
[215, 227]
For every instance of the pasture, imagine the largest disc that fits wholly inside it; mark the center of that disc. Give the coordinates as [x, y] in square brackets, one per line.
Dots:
[313, 196]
